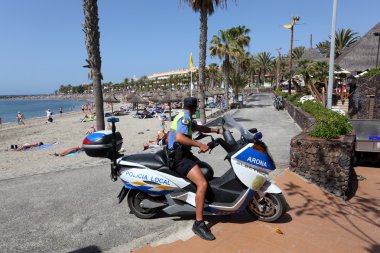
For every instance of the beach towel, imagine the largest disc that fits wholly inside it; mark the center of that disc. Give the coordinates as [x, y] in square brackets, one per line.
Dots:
[74, 153]
[47, 145]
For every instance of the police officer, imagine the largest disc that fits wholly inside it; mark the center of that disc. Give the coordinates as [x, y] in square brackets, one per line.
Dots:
[185, 163]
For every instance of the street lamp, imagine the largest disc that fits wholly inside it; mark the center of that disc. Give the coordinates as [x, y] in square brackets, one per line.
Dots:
[291, 27]
[332, 55]
[377, 34]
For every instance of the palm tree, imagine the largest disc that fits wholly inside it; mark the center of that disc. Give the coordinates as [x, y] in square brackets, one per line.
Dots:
[205, 8]
[298, 53]
[265, 63]
[324, 48]
[91, 29]
[229, 46]
[213, 74]
[344, 38]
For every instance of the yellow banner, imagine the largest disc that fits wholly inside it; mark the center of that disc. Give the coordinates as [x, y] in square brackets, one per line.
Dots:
[191, 60]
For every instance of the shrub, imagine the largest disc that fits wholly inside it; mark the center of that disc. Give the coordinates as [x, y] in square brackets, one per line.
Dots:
[372, 72]
[329, 124]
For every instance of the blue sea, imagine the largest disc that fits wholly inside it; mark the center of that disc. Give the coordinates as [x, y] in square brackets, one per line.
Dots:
[35, 108]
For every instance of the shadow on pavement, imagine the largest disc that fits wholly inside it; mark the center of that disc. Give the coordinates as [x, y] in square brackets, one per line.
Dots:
[349, 216]
[88, 249]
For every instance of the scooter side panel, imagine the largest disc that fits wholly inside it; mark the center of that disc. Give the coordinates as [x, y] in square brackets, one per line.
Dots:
[248, 166]
[148, 181]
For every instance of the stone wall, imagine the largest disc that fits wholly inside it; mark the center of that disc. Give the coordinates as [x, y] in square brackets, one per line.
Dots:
[327, 163]
[303, 119]
[359, 99]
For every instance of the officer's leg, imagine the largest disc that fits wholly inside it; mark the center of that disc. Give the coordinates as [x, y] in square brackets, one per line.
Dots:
[196, 176]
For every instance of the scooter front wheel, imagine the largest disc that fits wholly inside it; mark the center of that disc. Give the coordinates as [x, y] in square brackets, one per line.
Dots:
[270, 208]
[134, 200]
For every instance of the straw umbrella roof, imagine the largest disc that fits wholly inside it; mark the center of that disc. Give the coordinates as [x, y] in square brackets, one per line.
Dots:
[155, 98]
[314, 55]
[147, 94]
[217, 91]
[208, 93]
[111, 99]
[136, 99]
[129, 95]
[361, 55]
[170, 97]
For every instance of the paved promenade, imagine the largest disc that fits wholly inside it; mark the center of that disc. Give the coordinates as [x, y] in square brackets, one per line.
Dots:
[316, 222]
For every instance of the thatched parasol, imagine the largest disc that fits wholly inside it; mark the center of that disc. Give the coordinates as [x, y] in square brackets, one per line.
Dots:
[217, 91]
[136, 99]
[169, 98]
[112, 100]
[155, 98]
[147, 95]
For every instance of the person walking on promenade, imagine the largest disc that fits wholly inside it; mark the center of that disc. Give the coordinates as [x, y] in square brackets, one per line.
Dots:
[20, 118]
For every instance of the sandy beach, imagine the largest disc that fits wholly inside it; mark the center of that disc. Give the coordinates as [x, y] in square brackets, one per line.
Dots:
[66, 132]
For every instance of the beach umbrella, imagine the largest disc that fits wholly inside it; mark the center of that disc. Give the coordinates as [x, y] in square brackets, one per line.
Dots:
[155, 98]
[147, 95]
[169, 98]
[208, 94]
[111, 100]
[217, 91]
[136, 99]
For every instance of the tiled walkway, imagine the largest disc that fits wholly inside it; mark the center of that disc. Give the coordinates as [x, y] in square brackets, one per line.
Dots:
[317, 222]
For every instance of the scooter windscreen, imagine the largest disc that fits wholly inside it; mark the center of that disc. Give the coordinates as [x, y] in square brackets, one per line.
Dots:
[231, 122]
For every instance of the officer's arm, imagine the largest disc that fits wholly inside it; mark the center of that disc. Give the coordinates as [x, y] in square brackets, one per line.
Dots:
[205, 129]
[184, 140]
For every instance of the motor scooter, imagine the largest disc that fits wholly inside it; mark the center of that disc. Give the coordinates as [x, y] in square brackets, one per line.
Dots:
[151, 187]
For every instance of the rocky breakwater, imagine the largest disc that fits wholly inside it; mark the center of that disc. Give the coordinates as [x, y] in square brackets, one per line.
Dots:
[327, 163]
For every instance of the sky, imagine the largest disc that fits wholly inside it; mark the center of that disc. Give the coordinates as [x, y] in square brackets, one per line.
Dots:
[42, 45]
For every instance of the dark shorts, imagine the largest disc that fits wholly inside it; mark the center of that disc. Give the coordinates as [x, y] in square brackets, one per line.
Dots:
[183, 166]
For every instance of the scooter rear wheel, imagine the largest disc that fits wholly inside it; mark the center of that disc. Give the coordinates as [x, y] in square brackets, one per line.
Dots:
[270, 208]
[134, 199]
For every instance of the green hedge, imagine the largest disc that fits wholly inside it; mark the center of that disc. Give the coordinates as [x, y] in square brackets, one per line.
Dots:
[372, 72]
[329, 124]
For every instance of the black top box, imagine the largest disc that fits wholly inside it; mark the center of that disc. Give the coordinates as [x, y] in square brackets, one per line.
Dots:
[99, 144]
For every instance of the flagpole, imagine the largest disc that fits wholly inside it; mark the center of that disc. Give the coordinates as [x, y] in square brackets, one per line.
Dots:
[191, 83]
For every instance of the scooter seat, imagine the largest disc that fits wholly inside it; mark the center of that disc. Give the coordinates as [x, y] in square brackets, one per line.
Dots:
[152, 161]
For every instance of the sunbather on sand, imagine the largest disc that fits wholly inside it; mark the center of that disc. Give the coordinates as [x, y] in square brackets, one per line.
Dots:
[29, 145]
[91, 129]
[68, 151]
[161, 140]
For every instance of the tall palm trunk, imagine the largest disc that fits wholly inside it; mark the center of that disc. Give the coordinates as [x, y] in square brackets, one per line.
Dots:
[226, 70]
[91, 29]
[202, 63]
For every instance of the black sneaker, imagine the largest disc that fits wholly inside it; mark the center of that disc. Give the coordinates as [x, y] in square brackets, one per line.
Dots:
[201, 229]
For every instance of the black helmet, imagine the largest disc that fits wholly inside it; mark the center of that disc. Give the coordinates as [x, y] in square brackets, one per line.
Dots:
[190, 102]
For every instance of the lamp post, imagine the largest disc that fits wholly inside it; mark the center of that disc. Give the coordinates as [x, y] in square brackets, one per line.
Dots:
[291, 27]
[278, 67]
[377, 34]
[332, 55]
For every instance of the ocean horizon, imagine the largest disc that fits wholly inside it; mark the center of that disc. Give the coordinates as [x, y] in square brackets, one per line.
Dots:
[34, 108]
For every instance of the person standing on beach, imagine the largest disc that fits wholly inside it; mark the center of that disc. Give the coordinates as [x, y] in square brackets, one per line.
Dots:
[49, 117]
[20, 118]
[1, 125]
[60, 111]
